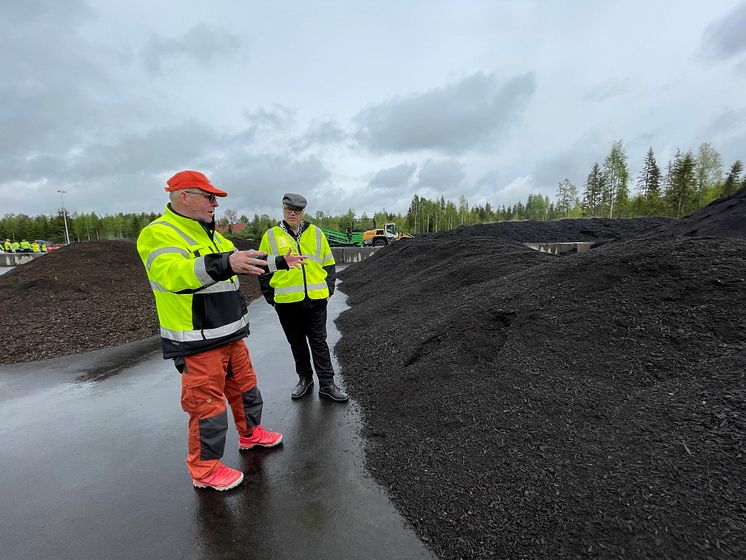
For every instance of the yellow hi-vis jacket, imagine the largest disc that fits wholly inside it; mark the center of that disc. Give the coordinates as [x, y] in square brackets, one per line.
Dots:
[196, 291]
[314, 280]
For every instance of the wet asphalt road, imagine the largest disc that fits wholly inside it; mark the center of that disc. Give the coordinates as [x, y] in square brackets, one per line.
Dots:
[92, 466]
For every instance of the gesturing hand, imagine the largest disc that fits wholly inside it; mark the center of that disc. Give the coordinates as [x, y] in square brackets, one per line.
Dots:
[294, 261]
[248, 262]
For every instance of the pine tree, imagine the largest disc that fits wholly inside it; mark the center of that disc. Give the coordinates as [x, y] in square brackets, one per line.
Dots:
[649, 183]
[681, 195]
[594, 185]
[733, 179]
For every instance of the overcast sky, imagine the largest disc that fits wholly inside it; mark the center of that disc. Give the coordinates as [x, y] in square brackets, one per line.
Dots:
[354, 104]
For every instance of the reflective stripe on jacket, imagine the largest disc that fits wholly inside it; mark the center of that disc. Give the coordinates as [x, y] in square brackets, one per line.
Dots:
[313, 280]
[196, 293]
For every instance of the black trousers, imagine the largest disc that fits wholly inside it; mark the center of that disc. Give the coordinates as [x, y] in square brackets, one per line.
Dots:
[304, 323]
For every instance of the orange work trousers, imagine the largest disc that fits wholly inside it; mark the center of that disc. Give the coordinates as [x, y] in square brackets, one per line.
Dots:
[207, 380]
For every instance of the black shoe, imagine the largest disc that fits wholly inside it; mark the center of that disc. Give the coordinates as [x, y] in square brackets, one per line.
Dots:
[304, 384]
[331, 391]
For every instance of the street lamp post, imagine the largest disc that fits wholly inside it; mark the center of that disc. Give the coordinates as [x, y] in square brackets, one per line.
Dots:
[64, 217]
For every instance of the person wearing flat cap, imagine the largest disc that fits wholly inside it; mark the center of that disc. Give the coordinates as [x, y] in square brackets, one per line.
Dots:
[193, 271]
[300, 296]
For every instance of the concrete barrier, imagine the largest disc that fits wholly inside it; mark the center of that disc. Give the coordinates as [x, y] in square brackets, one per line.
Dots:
[352, 254]
[14, 259]
[562, 248]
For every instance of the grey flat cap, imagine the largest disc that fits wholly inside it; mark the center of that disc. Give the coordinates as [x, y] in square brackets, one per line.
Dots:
[294, 200]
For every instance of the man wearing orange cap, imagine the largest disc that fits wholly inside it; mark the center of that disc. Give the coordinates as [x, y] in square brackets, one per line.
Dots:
[193, 273]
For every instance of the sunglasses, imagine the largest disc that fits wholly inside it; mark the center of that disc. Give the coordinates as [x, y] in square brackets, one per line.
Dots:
[292, 210]
[210, 197]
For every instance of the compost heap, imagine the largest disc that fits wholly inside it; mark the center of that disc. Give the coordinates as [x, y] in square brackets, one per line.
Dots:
[522, 405]
[79, 298]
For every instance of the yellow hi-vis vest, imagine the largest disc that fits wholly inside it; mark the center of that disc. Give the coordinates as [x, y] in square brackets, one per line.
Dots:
[195, 311]
[294, 284]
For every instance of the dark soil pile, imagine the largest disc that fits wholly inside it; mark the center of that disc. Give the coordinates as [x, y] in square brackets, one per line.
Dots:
[600, 230]
[80, 298]
[522, 405]
[722, 218]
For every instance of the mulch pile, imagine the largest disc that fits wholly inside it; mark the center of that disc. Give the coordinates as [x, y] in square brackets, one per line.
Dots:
[79, 298]
[722, 218]
[522, 405]
[598, 230]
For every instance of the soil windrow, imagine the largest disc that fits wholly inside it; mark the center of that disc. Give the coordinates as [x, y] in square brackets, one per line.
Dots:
[522, 405]
[82, 297]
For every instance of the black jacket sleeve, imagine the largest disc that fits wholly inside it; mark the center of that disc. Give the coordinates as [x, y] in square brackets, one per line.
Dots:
[268, 291]
[218, 266]
[331, 278]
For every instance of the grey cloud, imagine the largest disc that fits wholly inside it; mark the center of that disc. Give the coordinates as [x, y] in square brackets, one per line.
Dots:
[275, 117]
[440, 176]
[256, 182]
[28, 12]
[452, 119]
[499, 189]
[49, 76]
[727, 36]
[575, 160]
[393, 177]
[728, 123]
[204, 43]
[727, 132]
[157, 150]
[741, 68]
[59, 93]
[608, 90]
[322, 133]
[265, 123]
[569, 164]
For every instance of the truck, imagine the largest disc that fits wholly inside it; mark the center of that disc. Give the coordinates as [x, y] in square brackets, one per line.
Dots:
[377, 237]
[381, 237]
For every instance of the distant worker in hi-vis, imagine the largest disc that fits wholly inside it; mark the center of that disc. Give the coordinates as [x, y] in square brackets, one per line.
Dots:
[300, 295]
[193, 273]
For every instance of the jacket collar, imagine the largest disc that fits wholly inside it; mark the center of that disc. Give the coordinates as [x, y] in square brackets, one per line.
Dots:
[191, 222]
[289, 230]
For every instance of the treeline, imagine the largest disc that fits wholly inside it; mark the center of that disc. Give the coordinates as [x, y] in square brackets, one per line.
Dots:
[691, 181]
[80, 227]
[688, 182]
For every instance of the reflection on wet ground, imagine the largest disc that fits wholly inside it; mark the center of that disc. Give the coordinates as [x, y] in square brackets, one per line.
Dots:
[96, 469]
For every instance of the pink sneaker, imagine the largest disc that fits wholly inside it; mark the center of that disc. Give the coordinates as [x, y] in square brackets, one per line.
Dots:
[223, 478]
[259, 438]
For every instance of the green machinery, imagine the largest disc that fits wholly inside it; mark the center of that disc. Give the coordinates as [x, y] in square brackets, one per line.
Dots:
[343, 239]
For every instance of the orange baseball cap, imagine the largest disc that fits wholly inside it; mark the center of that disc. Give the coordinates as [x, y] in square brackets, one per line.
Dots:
[192, 180]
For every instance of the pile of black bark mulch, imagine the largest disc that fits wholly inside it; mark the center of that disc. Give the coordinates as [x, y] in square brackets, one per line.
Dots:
[598, 230]
[721, 218]
[82, 297]
[522, 405]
